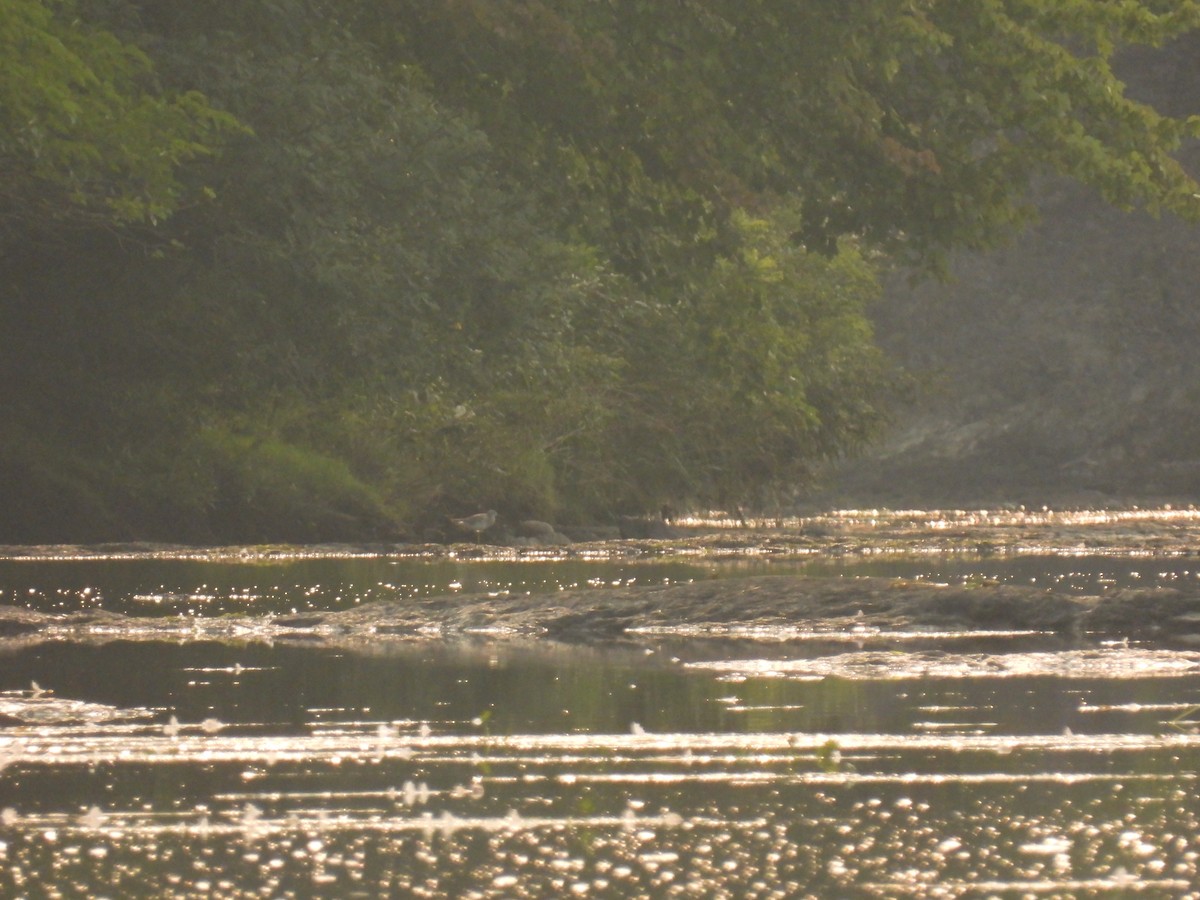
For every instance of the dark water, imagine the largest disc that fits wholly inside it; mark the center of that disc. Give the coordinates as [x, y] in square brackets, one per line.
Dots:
[659, 765]
[169, 586]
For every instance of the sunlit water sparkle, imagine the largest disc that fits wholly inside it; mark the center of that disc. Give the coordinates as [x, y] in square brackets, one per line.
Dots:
[181, 754]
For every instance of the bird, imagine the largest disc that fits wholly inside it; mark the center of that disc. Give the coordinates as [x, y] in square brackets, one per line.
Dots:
[478, 522]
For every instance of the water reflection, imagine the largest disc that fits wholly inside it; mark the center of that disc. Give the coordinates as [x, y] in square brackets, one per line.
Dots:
[751, 763]
[166, 586]
[526, 769]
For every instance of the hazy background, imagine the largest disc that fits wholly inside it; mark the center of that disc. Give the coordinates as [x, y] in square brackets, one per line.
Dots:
[1064, 368]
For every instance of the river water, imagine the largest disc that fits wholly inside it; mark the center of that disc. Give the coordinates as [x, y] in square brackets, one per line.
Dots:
[205, 757]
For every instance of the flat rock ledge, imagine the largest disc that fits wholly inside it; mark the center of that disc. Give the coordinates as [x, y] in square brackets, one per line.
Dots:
[717, 607]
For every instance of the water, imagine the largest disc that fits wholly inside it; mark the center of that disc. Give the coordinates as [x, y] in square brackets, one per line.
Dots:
[762, 762]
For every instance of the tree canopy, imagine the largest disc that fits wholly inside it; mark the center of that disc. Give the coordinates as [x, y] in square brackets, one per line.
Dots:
[285, 269]
[915, 126]
[83, 130]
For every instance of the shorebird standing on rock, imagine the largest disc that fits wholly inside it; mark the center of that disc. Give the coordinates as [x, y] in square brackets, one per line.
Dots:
[477, 523]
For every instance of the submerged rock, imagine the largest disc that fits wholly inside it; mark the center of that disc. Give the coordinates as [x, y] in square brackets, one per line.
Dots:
[1166, 615]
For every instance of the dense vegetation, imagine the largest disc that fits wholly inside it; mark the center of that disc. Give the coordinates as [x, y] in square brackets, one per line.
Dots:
[285, 269]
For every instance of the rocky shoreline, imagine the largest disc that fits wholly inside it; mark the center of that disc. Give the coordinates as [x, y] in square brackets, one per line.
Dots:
[719, 607]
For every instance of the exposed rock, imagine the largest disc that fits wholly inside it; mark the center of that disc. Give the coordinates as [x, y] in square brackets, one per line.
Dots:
[534, 528]
[585, 533]
[637, 527]
[534, 533]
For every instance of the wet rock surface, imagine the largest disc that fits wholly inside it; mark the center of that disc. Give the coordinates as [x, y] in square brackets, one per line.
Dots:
[718, 606]
[1096, 610]
[824, 605]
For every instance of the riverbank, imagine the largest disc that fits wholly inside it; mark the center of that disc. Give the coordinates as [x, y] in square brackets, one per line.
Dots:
[1015, 530]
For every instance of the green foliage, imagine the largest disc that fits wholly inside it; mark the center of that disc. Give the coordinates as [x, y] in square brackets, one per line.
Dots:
[270, 489]
[49, 492]
[737, 388]
[916, 126]
[564, 260]
[83, 130]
